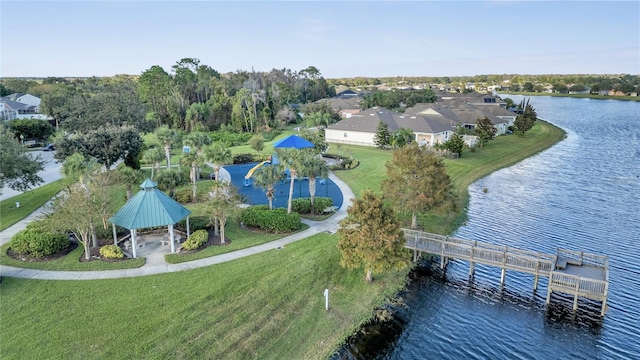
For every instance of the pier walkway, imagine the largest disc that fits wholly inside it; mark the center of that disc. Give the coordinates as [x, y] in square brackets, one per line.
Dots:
[571, 272]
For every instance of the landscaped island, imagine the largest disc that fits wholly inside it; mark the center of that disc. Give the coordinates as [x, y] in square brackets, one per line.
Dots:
[263, 306]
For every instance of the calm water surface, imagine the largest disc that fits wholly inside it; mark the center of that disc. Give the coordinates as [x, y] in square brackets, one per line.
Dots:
[582, 194]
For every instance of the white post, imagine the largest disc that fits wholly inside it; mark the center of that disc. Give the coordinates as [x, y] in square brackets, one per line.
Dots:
[133, 242]
[326, 299]
[115, 236]
[171, 238]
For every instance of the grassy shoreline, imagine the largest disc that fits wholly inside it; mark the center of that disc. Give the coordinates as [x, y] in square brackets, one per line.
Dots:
[268, 305]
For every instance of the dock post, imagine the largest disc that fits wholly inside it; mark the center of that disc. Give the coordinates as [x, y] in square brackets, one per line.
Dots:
[502, 276]
[535, 282]
[472, 269]
[443, 261]
[549, 289]
[415, 254]
[604, 306]
[575, 298]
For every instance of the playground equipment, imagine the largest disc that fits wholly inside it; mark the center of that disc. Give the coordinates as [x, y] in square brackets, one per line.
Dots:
[247, 178]
[291, 141]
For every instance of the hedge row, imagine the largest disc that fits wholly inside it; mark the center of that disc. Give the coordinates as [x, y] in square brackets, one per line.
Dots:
[303, 205]
[276, 220]
[248, 158]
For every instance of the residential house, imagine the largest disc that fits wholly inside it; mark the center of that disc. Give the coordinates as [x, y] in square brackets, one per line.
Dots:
[361, 128]
[466, 115]
[11, 109]
[27, 99]
[345, 104]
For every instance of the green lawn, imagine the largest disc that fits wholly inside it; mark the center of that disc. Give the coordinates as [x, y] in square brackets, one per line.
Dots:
[29, 202]
[267, 306]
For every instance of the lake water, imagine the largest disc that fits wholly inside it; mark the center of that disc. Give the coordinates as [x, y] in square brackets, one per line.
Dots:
[581, 194]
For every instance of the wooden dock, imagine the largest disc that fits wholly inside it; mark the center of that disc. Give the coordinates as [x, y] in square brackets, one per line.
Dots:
[571, 272]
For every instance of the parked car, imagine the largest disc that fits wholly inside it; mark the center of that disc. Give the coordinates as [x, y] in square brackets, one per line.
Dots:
[49, 147]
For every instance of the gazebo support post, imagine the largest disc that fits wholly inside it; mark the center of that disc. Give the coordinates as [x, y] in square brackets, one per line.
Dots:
[171, 236]
[115, 236]
[133, 243]
[188, 232]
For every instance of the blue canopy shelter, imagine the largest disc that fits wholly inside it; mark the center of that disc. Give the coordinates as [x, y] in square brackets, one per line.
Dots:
[290, 142]
[150, 207]
[293, 141]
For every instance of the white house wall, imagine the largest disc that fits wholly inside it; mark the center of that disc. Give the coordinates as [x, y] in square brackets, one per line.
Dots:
[349, 137]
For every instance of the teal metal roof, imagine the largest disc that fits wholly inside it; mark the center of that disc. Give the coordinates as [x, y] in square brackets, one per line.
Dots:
[150, 207]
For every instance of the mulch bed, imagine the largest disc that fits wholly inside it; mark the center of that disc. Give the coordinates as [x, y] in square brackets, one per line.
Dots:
[214, 240]
[28, 258]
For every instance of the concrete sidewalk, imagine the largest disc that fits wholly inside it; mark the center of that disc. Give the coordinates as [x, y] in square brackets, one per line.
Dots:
[157, 265]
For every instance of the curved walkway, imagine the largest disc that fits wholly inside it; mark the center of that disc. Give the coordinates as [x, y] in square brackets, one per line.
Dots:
[156, 265]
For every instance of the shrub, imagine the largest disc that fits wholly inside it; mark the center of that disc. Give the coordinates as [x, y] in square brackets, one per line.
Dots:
[322, 203]
[111, 252]
[344, 163]
[37, 241]
[276, 220]
[195, 223]
[197, 239]
[107, 233]
[243, 158]
[183, 195]
[303, 205]
[230, 138]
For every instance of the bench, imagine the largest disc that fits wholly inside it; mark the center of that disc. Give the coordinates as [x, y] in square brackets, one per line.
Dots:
[167, 240]
[561, 264]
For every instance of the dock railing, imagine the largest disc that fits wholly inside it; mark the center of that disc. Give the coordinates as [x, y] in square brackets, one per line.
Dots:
[480, 252]
[583, 258]
[509, 258]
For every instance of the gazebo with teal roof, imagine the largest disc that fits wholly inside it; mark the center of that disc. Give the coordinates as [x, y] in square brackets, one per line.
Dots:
[150, 207]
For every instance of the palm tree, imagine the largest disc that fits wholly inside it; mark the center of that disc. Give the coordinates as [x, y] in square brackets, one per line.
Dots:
[292, 160]
[219, 156]
[129, 176]
[197, 140]
[167, 137]
[313, 166]
[266, 178]
[154, 156]
[194, 161]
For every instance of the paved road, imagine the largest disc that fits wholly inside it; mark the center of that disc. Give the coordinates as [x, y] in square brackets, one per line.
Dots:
[154, 266]
[52, 171]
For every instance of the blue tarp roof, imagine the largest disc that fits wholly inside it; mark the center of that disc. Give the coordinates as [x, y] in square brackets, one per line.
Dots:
[293, 141]
[150, 207]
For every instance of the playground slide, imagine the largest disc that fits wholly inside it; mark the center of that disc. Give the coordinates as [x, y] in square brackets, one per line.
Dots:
[253, 169]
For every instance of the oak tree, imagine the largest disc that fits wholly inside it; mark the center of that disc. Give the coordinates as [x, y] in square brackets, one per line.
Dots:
[417, 181]
[371, 237]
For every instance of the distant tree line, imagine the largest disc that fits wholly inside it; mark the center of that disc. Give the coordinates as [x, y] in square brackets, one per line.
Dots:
[190, 96]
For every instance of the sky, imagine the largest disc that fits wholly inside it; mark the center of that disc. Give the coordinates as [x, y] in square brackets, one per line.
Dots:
[340, 38]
